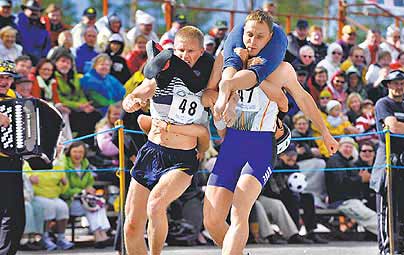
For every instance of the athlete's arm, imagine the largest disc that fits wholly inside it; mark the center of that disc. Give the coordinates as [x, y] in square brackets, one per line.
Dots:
[145, 123]
[210, 94]
[306, 104]
[138, 98]
[394, 125]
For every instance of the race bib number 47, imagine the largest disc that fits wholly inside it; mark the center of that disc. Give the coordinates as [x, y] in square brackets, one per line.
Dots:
[249, 100]
[186, 106]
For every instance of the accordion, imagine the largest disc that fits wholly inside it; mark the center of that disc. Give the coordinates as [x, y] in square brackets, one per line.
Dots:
[34, 130]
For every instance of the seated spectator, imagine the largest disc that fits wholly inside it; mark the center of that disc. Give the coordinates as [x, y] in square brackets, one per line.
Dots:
[23, 87]
[88, 19]
[367, 122]
[354, 82]
[209, 44]
[137, 57]
[53, 20]
[107, 154]
[371, 46]
[337, 124]
[86, 52]
[308, 157]
[167, 39]
[30, 26]
[306, 60]
[114, 49]
[9, 49]
[65, 42]
[366, 159]
[6, 16]
[353, 104]
[348, 40]
[317, 83]
[316, 42]
[325, 97]
[296, 40]
[332, 61]
[398, 63]
[357, 59]
[82, 183]
[48, 186]
[393, 42]
[99, 86]
[144, 26]
[278, 185]
[219, 33]
[107, 26]
[23, 65]
[83, 115]
[344, 187]
[337, 87]
[383, 61]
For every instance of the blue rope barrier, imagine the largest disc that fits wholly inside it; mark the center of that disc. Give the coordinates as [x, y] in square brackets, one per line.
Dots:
[397, 135]
[90, 135]
[336, 136]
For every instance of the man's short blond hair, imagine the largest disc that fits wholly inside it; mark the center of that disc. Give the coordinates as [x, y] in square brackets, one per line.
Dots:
[190, 32]
[261, 17]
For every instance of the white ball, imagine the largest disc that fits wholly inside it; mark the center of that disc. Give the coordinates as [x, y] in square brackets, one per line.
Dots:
[297, 182]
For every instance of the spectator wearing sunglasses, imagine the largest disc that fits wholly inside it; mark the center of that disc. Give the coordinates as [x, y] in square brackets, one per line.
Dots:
[305, 60]
[332, 61]
[357, 59]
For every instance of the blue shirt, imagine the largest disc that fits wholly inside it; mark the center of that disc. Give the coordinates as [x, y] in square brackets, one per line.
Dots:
[84, 53]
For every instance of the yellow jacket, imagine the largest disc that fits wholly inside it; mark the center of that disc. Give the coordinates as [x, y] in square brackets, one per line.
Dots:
[348, 63]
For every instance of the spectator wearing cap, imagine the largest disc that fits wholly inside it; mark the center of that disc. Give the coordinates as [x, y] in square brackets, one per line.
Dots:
[6, 17]
[371, 46]
[144, 26]
[366, 122]
[316, 42]
[302, 74]
[88, 19]
[9, 49]
[332, 61]
[119, 68]
[296, 40]
[100, 86]
[53, 22]
[348, 40]
[357, 59]
[113, 26]
[354, 82]
[87, 51]
[209, 44]
[324, 98]
[376, 73]
[219, 33]
[35, 40]
[336, 122]
[23, 87]
[167, 40]
[353, 105]
[306, 60]
[345, 187]
[389, 113]
[392, 43]
[317, 83]
[138, 56]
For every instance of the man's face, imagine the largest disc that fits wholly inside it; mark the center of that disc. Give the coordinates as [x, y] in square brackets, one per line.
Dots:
[302, 33]
[221, 33]
[146, 28]
[346, 149]
[289, 159]
[5, 11]
[115, 26]
[396, 88]
[23, 67]
[367, 153]
[55, 17]
[256, 36]
[24, 89]
[316, 37]
[321, 78]
[90, 37]
[396, 36]
[358, 57]
[188, 49]
[307, 57]
[374, 39]
[338, 82]
[63, 65]
[89, 21]
[5, 83]
[349, 38]
[385, 61]
[210, 48]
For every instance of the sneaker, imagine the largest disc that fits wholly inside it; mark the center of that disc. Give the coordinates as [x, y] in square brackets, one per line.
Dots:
[298, 239]
[316, 238]
[64, 244]
[48, 244]
[276, 239]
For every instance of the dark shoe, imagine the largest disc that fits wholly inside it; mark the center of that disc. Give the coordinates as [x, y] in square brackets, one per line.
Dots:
[99, 245]
[276, 239]
[35, 246]
[298, 239]
[316, 238]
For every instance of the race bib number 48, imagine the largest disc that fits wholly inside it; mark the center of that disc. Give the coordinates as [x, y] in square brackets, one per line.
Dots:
[186, 106]
[249, 100]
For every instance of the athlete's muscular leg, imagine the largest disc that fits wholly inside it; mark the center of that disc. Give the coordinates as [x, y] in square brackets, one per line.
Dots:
[169, 188]
[275, 93]
[136, 218]
[246, 193]
[216, 207]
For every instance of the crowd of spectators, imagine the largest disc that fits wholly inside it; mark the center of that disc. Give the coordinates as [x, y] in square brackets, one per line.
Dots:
[85, 71]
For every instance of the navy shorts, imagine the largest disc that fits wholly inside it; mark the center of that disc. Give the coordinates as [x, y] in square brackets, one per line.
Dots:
[257, 149]
[154, 160]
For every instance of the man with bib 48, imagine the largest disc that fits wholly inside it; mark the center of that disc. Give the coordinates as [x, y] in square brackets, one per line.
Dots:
[166, 163]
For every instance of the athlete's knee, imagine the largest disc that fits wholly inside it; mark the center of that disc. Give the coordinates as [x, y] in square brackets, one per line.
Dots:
[239, 215]
[212, 220]
[156, 208]
[133, 226]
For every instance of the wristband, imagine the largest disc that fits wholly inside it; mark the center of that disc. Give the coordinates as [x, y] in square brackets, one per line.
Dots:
[220, 124]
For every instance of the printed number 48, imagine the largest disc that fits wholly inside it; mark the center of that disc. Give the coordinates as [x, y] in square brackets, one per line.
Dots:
[192, 107]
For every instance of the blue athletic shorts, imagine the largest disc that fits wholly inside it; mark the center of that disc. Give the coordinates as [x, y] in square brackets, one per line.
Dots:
[154, 160]
[272, 54]
[258, 149]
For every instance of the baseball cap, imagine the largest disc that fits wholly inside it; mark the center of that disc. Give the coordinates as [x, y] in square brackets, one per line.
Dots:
[300, 70]
[21, 79]
[4, 3]
[207, 39]
[181, 19]
[393, 76]
[90, 12]
[221, 24]
[32, 5]
[325, 93]
[302, 24]
[7, 67]
[291, 150]
[115, 38]
[348, 29]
